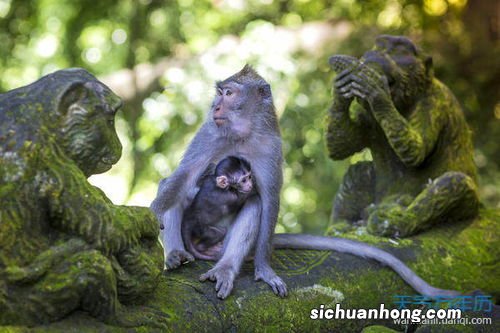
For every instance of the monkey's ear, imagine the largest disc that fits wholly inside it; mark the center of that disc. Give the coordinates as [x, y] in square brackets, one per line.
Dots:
[265, 90]
[74, 93]
[222, 182]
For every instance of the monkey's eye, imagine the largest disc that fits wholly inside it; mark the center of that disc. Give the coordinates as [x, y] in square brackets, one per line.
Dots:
[228, 92]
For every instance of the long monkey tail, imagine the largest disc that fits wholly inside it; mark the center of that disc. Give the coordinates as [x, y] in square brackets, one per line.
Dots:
[302, 241]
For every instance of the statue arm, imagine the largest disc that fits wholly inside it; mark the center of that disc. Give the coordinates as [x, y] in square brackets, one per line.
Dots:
[344, 134]
[414, 138]
[411, 138]
[78, 208]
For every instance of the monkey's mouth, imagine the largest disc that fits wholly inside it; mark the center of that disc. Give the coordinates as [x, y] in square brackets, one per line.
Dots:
[102, 166]
[105, 163]
[244, 190]
[219, 121]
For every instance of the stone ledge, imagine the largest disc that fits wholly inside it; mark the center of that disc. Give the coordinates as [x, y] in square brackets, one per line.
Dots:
[462, 256]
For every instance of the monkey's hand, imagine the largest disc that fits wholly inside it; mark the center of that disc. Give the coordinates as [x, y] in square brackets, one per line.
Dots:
[365, 83]
[343, 65]
[223, 275]
[177, 257]
[342, 102]
[268, 275]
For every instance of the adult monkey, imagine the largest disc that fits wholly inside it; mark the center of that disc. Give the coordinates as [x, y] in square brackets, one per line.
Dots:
[422, 170]
[242, 122]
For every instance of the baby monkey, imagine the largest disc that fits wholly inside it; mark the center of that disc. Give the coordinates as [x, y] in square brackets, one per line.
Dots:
[222, 193]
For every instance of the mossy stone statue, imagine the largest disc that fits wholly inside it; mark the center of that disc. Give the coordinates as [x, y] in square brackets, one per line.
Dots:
[63, 245]
[422, 171]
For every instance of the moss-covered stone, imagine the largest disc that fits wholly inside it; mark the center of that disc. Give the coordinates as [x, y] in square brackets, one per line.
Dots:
[462, 256]
[378, 329]
[63, 245]
[422, 171]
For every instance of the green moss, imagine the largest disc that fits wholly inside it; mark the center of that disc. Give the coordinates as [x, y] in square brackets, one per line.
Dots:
[471, 251]
[447, 257]
[347, 230]
[422, 170]
[63, 245]
[378, 329]
[14, 329]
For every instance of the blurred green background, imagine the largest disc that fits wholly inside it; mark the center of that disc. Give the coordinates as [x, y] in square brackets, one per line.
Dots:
[163, 57]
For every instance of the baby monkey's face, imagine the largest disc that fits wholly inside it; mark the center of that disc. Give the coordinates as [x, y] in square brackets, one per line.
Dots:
[241, 182]
[244, 183]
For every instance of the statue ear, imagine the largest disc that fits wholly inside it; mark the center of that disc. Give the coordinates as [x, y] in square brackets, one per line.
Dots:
[73, 94]
[222, 182]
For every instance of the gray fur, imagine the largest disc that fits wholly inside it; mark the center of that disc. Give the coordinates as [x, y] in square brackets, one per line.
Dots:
[251, 131]
[298, 241]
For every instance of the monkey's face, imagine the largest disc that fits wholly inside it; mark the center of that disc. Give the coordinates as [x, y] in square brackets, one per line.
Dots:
[244, 183]
[240, 182]
[88, 127]
[227, 108]
[397, 58]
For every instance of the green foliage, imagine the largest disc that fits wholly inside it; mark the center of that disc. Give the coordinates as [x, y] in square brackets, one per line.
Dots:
[206, 41]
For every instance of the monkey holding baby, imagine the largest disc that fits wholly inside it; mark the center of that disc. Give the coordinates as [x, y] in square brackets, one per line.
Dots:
[395, 89]
[243, 123]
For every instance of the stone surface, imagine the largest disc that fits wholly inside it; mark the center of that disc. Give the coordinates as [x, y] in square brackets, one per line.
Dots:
[462, 256]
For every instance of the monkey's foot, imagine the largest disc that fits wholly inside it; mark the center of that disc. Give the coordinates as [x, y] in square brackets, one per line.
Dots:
[391, 222]
[267, 275]
[224, 276]
[177, 257]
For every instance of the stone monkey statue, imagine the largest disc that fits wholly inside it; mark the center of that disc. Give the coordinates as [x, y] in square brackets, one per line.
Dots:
[63, 245]
[422, 170]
